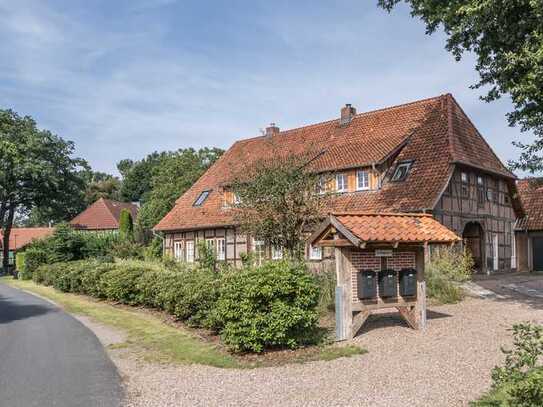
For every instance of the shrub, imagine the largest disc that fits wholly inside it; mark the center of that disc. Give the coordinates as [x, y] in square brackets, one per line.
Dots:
[35, 256]
[520, 381]
[446, 269]
[154, 250]
[269, 306]
[126, 225]
[97, 245]
[21, 267]
[195, 296]
[126, 249]
[120, 284]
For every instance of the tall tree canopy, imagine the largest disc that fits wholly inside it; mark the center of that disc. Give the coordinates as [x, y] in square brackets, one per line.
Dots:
[100, 185]
[277, 201]
[507, 38]
[136, 176]
[174, 175]
[37, 170]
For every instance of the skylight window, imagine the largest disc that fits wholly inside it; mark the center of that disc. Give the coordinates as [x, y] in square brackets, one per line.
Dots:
[201, 198]
[401, 172]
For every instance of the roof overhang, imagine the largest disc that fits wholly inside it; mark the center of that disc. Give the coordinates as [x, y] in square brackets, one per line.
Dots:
[394, 229]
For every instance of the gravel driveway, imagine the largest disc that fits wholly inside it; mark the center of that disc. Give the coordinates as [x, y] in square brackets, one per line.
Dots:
[448, 365]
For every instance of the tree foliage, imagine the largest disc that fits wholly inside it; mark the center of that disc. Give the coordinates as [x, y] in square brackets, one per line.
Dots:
[136, 176]
[126, 225]
[37, 170]
[175, 174]
[507, 38]
[278, 201]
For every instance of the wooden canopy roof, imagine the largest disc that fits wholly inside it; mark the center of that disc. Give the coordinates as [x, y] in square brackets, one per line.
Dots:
[358, 229]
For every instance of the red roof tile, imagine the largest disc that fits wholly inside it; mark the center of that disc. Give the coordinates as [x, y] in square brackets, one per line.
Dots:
[434, 133]
[104, 214]
[394, 227]
[20, 237]
[531, 196]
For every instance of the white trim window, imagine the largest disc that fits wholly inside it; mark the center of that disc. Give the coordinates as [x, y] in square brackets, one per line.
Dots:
[362, 180]
[189, 251]
[210, 243]
[401, 171]
[259, 251]
[341, 183]
[178, 247]
[221, 249]
[315, 252]
[277, 253]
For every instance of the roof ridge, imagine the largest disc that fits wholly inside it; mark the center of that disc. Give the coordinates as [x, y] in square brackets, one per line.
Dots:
[369, 112]
[451, 98]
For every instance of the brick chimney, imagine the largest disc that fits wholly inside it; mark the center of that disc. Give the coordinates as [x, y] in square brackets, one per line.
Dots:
[272, 130]
[347, 113]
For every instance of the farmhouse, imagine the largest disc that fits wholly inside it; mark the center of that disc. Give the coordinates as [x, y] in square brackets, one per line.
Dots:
[421, 157]
[529, 229]
[19, 238]
[103, 215]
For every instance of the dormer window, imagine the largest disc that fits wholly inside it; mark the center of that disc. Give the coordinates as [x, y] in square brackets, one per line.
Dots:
[401, 172]
[201, 198]
[362, 180]
[341, 183]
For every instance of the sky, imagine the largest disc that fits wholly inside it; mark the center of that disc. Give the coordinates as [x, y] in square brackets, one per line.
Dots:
[125, 78]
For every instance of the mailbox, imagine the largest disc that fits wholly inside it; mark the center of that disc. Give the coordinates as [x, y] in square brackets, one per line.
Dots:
[366, 284]
[408, 282]
[388, 286]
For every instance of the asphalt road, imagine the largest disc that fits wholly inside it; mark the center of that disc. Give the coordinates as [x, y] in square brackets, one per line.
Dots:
[48, 358]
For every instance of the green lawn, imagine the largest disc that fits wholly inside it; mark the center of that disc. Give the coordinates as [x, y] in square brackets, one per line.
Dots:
[161, 342]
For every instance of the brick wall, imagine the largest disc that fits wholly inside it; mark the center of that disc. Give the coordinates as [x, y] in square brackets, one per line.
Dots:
[367, 261]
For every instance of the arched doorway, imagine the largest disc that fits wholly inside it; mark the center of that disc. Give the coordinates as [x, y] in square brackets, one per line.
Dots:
[473, 241]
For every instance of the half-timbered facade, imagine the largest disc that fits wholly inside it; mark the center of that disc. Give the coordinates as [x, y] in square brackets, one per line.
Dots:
[420, 157]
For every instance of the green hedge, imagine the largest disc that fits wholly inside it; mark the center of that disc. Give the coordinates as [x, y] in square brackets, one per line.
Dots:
[253, 309]
[270, 306]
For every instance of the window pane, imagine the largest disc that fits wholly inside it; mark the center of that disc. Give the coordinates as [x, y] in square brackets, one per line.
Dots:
[190, 251]
[363, 180]
[315, 253]
[201, 198]
[341, 182]
[221, 249]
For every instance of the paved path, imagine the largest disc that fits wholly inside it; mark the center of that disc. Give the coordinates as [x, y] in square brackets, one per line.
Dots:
[48, 358]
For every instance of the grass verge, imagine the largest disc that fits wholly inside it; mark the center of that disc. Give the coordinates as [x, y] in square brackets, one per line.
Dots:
[161, 342]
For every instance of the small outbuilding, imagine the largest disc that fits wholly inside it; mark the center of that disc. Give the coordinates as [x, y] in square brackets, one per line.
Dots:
[19, 238]
[103, 215]
[380, 264]
[529, 229]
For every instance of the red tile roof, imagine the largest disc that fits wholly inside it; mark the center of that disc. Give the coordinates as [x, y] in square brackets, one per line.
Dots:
[531, 196]
[394, 227]
[104, 214]
[434, 133]
[20, 237]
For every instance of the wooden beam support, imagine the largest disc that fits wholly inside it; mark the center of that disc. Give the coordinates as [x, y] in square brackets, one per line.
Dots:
[358, 321]
[409, 315]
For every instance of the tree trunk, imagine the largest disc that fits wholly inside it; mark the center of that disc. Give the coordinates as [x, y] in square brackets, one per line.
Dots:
[5, 242]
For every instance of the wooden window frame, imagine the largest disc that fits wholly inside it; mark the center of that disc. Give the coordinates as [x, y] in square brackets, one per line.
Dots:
[358, 186]
[312, 253]
[221, 248]
[343, 177]
[190, 255]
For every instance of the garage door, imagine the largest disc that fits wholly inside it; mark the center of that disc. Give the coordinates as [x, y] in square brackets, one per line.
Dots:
[538, 253]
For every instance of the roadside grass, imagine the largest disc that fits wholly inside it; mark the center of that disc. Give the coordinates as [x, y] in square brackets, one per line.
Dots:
[158, 341]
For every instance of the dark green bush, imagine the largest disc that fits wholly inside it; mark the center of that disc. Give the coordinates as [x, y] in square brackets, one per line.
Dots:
[35, 256]
[121, 283]
[269, 306]
[126, 249]
[23, 273]
[520, 381]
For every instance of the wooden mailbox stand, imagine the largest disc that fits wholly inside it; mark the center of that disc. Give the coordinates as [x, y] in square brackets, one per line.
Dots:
[356, 236]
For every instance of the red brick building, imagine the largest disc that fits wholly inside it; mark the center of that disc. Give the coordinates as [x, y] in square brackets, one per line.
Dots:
[103, 215]
[420, 157]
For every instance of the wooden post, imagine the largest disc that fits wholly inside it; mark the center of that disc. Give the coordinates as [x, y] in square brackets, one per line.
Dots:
[344, 315]
[420, 308]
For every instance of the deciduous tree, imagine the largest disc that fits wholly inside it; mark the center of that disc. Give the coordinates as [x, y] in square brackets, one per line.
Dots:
[37, 170]
[507, 38]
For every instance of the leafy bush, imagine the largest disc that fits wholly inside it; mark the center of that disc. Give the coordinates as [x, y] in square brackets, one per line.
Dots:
[35, 256]
[520, 381]
[120, 284]
[126, 225]
[196, 296]
[269, 306]
[21, 267]
[126, 249]
[446, 269]
[153, 251]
